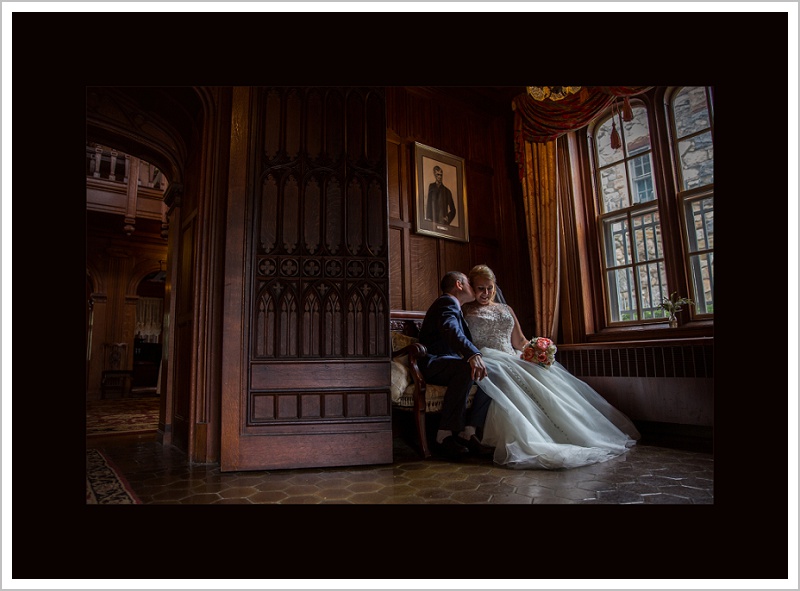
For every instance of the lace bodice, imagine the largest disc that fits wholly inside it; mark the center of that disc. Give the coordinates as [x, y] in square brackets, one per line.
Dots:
[491, 326]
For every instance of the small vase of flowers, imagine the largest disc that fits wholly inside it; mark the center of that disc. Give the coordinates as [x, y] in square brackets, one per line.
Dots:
[672, 305]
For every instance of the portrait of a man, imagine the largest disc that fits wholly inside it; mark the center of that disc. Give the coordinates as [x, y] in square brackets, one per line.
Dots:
[440, 209]
[441, 194]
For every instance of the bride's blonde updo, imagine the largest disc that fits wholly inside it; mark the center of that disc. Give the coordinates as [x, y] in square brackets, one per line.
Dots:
[483, 272]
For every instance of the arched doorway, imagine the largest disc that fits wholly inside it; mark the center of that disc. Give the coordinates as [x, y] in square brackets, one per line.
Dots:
[164, 126]
[125, 325]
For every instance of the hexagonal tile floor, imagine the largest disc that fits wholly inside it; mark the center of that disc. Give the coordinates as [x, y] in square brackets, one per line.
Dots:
[646, 474]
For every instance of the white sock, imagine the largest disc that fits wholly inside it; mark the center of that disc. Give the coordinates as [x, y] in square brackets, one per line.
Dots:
[440, 435]
[467, 433]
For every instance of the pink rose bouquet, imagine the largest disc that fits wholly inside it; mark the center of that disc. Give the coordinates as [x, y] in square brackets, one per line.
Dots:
[540, 350]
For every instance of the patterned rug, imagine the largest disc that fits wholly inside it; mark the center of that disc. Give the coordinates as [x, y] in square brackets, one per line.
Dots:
[122, 415]
[104, 483]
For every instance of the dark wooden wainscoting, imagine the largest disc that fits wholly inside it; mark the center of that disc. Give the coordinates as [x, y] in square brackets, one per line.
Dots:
[669, 382]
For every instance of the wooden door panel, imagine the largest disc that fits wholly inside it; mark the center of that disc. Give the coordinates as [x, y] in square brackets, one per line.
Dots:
[312, 450]
[306, 376]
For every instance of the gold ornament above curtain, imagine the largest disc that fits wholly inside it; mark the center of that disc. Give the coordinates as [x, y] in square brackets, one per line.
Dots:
[554, 93]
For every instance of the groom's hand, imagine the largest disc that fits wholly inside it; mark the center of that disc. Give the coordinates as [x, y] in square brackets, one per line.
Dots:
[479, 370]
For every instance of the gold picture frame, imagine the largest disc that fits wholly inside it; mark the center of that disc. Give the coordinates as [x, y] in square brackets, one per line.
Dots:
[441, 210]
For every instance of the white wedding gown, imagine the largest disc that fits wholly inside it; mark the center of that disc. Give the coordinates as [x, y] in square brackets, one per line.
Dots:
[541, 417]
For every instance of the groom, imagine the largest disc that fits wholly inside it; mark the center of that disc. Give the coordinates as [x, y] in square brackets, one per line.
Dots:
[453, 361]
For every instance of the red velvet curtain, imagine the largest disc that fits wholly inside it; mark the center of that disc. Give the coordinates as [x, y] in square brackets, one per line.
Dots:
[544, 121]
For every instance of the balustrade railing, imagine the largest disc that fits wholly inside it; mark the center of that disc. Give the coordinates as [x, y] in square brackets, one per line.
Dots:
[136, 190]
[109, 164]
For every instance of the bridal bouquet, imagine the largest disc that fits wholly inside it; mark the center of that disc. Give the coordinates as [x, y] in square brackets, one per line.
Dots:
[540, 350]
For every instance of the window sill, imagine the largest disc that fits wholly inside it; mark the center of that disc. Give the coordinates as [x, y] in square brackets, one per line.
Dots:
[652, 333]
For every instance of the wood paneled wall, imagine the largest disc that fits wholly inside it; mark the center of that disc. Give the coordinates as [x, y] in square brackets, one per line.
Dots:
[443, 119]
[116, 264]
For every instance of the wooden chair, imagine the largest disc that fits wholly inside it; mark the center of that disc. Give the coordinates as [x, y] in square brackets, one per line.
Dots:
[410, 392]
[115, 383]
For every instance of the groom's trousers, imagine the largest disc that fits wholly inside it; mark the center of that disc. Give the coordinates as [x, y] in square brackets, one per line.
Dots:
[455, 373]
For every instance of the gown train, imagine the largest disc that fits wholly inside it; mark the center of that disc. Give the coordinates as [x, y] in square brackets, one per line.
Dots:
[543, 418]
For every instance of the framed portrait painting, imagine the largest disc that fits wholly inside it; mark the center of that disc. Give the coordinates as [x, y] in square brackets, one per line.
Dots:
[441, 201]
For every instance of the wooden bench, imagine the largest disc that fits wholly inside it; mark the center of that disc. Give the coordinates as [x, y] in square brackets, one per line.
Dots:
[410, 392]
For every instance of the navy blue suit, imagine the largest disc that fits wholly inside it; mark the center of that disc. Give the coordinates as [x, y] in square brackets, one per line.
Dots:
[446, 336]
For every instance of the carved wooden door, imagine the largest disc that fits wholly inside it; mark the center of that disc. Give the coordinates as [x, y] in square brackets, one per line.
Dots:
[306, 353]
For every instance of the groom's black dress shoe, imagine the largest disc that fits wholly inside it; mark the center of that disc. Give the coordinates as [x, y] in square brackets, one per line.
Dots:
[474, 446]
[451, 448]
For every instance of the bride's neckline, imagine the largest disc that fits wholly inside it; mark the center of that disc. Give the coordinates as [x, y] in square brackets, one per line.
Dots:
[476, 306]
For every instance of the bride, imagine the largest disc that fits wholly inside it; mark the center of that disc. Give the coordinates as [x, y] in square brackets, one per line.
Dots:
[540, 417]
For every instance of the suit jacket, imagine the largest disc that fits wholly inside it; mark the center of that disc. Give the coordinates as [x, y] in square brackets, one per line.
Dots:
[441, 207]
[444, 331]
